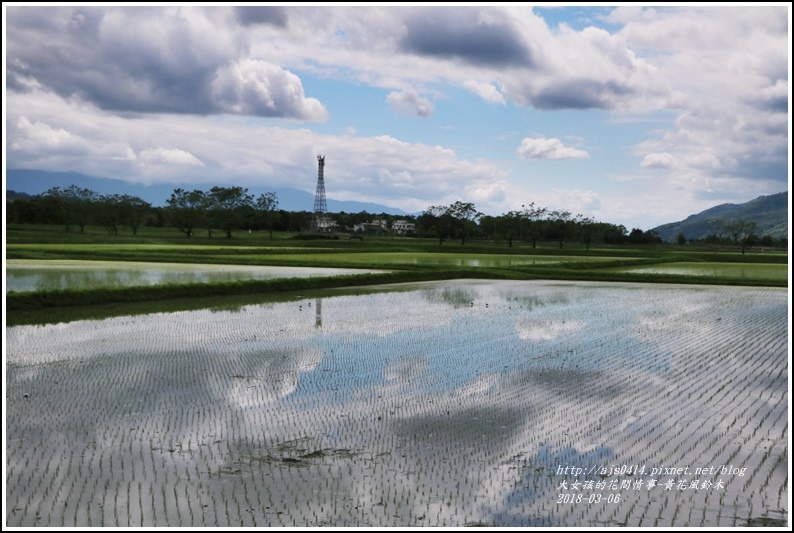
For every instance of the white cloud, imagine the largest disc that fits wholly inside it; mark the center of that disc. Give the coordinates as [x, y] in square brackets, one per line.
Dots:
[739, 142]
[708, 161]
[728, 62]
[728, 71]
[447, 151]
[587, 69]
[486, 194]
[41, 136]
[395, 179]
[150, 60]
[543, 148]
[662, 160]
[232, 151]
[390, 140]
[486, 91]
[32, 139]
[577, 201]
[773, 97]
[698, 29]
[252, 87]
[409, 102]
[169, 156]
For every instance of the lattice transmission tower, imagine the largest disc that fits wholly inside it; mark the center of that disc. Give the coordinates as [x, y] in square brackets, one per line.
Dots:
[320, 205]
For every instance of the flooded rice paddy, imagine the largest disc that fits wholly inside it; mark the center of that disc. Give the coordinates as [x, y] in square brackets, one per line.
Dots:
[30, 275]
[438, 258]
[441, 404]
[717, 270]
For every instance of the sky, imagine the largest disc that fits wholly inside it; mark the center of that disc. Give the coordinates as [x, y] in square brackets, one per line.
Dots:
[631, 115]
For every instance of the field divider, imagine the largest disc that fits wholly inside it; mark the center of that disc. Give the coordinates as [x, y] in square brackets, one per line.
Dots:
[48, 299]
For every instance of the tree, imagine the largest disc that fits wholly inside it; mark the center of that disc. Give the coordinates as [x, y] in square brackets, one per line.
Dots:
[741, 230]
[501, 227]
[637, 236]
[587, 229]
[108, 212]
[265, 207]
[226, 206]
[24, 211]
[465, 216]
[114, 210]
[532, 222]
[134, 211]
[560, 221]
[614, 234]
[438, 218]
[71, 205]
[716, 228]
[185, 209]
[79, 202]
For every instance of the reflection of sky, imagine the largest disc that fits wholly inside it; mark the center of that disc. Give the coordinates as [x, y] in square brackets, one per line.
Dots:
[56, 275]
[466, 389]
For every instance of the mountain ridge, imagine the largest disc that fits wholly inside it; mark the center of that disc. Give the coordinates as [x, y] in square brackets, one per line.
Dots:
[770, 213]
[33, 182]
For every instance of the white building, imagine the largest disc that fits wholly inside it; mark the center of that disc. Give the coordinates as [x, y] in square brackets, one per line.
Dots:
[324, 223]
[376, 226]
[382, 226]
[403, 226]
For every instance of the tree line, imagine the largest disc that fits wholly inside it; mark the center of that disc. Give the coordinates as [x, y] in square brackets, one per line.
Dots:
[529, 224]
[228, 209]
[219, 208]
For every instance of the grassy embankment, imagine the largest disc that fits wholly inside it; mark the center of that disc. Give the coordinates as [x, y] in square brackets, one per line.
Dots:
[407, 259]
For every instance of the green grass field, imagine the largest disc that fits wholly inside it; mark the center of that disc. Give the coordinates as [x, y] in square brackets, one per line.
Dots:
[408, 259]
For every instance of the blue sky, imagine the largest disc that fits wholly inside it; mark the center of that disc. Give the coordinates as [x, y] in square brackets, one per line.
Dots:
[632, 115]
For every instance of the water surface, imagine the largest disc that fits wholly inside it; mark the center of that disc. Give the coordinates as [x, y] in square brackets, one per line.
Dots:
[443, 404]
[29, 275]
[717, 270]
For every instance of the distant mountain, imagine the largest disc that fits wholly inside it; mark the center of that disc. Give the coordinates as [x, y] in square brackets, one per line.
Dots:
[770, 213]
[13, 195]
[33, 182]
